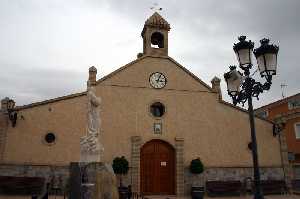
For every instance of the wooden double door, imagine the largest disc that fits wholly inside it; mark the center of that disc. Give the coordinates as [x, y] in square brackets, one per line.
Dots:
[157, 168]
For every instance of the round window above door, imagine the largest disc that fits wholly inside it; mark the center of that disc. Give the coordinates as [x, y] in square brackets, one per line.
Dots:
[157, 109]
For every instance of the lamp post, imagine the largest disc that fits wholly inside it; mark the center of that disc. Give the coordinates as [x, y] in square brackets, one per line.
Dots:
[242, 87]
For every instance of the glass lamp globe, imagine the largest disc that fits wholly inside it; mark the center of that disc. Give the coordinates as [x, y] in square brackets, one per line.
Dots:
[233, 79]
[266, 56]
[243, 50]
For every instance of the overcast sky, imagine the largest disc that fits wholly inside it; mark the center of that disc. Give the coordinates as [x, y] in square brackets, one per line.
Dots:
[47, 46]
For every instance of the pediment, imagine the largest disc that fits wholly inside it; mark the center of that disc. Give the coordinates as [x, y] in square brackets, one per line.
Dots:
[136, 74]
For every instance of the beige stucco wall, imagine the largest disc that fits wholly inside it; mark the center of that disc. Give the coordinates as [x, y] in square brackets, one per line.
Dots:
[25, 143]
[213, 131]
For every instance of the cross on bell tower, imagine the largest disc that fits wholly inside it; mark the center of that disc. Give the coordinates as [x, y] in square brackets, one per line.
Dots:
[155, 36]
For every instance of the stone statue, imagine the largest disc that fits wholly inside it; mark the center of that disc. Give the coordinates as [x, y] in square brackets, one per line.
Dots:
[97, 179]
[90, 146]
[93, 110]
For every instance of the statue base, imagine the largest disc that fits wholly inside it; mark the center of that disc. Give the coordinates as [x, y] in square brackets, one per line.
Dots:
[94, 180]
[90, 148]
[88, 157]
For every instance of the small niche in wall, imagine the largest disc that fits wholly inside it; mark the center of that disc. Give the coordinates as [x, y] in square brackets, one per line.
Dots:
[157, 127]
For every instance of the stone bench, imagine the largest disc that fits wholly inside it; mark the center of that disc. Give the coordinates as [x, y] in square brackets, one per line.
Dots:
[21, 185]
[296, 186]
[273, 186]
[223, 188]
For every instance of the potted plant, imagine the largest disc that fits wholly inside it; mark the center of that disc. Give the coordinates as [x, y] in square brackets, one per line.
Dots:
[120, 167]
[197, 168]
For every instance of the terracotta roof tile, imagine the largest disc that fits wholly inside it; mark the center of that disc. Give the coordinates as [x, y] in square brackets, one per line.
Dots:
[278, 102]
[157, 20]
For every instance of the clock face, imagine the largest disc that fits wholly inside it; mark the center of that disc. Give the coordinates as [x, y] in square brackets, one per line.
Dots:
[157, 80]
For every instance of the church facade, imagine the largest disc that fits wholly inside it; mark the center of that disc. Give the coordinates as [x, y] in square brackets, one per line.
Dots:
[155, 113]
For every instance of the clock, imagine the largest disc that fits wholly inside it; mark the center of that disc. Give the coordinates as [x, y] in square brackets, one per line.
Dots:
[157, 80]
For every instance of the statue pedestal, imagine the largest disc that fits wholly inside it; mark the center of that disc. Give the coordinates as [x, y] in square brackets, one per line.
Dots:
[106, 186]
[90, 148]
[87, 156]
[94, 180]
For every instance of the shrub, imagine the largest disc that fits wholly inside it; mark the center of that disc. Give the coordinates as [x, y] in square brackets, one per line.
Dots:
[196, 166]
[120, 167]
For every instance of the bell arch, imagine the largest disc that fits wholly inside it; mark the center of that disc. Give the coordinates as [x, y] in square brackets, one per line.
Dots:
[157, 40]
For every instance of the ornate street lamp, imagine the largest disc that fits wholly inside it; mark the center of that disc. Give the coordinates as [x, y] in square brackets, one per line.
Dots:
[242, 87]
[8, 105]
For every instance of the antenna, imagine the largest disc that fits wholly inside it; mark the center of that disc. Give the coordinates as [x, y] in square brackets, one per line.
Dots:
[282, 89]
[155, 7]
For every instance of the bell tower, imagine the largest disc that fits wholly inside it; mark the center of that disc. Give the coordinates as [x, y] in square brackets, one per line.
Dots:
[155, 36]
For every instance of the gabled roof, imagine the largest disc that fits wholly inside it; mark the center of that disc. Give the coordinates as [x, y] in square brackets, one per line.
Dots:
[163, 57]
[185, 70]
[156, 21]
[110, 75]
[278, 102]
[48, 101]
[125, 67]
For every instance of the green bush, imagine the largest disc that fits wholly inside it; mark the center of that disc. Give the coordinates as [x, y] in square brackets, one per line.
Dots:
[196, 166]
[120, 165]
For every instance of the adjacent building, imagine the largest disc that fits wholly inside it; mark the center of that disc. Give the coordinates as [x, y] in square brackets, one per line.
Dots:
[287, 110]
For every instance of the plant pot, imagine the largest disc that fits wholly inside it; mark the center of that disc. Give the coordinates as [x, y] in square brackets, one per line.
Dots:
[197, 192]
[123, 192]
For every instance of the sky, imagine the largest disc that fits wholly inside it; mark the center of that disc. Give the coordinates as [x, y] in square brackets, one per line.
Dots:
[47, 46]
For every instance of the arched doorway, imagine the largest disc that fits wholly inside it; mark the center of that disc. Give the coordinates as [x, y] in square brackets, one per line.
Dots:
[157, 168]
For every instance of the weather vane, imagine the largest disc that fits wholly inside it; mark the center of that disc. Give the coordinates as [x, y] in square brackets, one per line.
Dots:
[156, 7]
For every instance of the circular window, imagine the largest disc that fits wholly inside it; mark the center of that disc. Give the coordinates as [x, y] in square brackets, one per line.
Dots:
[50, 138]
[157, 109]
